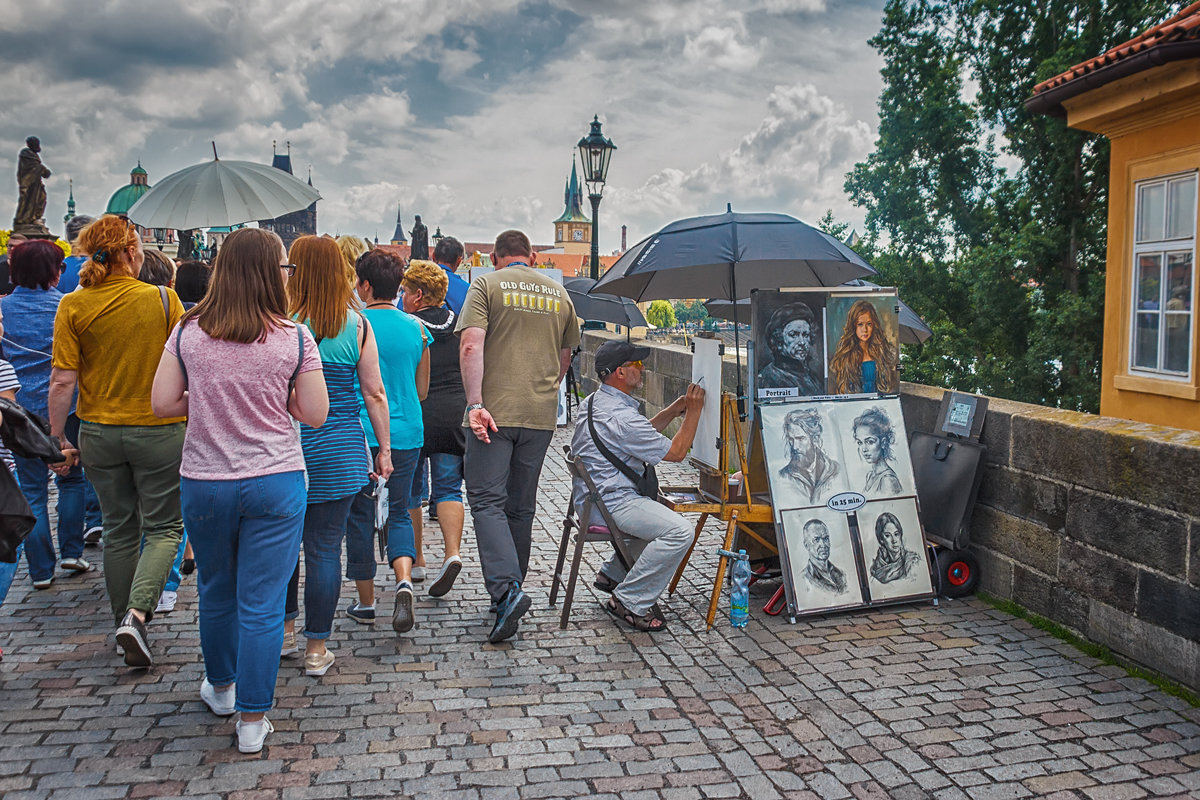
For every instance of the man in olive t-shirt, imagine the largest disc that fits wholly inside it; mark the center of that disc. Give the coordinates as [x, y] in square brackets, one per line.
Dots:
[517, 330]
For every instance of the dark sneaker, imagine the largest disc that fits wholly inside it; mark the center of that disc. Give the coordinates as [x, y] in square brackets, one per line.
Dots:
[402, 614]
[131, 637]
[360, 613]
[445, 579]
[509, 613]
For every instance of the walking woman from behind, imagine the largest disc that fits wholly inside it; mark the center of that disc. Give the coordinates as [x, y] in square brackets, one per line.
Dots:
[445, 438]
[108, 337]
[240, 370]
[404, 362]
[336, 453]
[34, 269]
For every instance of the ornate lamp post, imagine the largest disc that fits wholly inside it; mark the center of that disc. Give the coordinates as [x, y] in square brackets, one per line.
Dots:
[595, 152]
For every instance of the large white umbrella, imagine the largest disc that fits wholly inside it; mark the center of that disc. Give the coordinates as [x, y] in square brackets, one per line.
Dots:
[221, 193]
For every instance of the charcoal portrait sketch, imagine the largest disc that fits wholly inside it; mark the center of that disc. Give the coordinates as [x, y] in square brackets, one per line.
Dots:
[789, 344]
[894, 549]
[811, 474]
[821, 559]
[873, 439]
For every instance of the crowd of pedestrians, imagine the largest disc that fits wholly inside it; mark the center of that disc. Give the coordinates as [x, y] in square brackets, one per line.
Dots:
[244, 419]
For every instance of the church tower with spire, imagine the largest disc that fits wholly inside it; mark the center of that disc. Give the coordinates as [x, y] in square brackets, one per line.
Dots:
[291, 227]
[573, 230]
[70, 204]
[398, 234]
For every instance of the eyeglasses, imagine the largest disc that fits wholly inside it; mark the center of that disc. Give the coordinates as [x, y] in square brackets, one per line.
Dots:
[291, 269]
[637, 364]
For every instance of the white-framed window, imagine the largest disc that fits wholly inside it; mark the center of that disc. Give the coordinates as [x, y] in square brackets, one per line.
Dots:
[1164, 258]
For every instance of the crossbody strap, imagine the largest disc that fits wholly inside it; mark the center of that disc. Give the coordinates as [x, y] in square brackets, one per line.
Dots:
[179, 352]
[621, 466]
[299, 361]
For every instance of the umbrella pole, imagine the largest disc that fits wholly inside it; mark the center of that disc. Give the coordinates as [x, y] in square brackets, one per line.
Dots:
[741, 390]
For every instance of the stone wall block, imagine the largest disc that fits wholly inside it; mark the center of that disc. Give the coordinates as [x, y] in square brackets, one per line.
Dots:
[1025, 496]
[1130, 530]
[1172, 655]
[995, 572]
[919, 404]
[1021, 540]
[1033, 590]
[1157, 466]
[1070, 608]
[1097, 575]
[1194, 550]
[1169, 604]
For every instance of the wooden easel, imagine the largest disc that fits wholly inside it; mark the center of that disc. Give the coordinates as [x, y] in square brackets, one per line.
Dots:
[736, 511]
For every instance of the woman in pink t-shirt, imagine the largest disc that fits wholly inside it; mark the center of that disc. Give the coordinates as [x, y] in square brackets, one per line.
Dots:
[241, 371]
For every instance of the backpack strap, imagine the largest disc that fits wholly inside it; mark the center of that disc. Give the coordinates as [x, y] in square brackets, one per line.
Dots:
[179, 354]
[300, 361]
[162, 291]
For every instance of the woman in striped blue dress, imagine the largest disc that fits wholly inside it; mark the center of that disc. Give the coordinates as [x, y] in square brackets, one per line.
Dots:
[335, 454]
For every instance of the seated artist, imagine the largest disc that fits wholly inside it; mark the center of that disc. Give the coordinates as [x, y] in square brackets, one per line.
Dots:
[659, 537]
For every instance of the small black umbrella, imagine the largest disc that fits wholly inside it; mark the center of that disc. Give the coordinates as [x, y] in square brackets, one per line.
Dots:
[603, 307]
[726, 256]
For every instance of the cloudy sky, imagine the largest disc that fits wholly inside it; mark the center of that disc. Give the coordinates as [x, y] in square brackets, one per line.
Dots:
[464, 111]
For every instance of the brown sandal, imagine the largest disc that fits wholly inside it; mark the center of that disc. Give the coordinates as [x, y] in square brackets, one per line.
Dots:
[644, 623]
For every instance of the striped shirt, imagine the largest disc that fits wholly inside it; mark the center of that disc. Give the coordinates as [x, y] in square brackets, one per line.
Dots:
[336, 453]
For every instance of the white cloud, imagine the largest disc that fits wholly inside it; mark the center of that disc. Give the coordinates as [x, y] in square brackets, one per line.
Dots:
[721, 48]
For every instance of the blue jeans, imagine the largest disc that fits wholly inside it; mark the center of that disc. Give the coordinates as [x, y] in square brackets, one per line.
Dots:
[34, 477]
[175, 577]
[8, 571]
[246, 533]
[447, 474]
[324, 529]
[360, 527]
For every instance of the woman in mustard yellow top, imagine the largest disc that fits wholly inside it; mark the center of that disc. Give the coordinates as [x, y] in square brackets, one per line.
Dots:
[108, 339]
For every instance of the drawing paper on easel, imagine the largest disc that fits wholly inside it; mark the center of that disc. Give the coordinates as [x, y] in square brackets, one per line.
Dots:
[821, 560]
[894, 550]
[706, 371]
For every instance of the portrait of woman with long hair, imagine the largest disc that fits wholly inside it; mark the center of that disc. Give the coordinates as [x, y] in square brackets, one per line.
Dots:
[874, 440]
[864, 359]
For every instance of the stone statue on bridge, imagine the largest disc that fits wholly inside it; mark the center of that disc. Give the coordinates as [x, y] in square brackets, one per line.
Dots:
[420, 241]
[31, 206]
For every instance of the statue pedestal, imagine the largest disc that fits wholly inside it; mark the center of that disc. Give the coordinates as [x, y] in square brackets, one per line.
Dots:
[34, 230]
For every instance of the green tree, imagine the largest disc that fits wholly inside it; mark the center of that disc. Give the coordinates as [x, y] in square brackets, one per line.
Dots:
[660, 314]
[1006, 265]
[691, 311]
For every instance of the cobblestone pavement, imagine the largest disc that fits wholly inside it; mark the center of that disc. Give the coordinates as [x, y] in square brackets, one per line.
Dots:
[913, 701]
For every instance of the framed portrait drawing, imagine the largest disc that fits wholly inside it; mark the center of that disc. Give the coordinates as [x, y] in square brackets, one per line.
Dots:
[894, 551]
[874, 447]
[862, 338]
[821, 561]
[803, 454]
[789, 344]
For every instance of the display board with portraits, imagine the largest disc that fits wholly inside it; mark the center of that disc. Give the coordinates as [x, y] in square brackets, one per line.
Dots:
[824, 342]
[844, 498]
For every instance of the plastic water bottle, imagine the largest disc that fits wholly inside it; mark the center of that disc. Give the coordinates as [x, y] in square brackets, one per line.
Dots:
[739, 606]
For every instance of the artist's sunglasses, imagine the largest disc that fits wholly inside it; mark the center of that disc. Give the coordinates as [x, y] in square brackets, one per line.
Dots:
[637, 364]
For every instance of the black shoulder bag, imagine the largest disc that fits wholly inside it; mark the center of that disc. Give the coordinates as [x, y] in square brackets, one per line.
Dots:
[645, 484]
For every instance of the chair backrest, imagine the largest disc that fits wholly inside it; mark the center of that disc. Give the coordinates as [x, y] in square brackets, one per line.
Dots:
[592, 500]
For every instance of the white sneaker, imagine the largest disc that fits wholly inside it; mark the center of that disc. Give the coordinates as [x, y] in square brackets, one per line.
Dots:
[290, 647]
[418, 574]
[166, 602]
[220, 702]
[75, 565]
[251, 735]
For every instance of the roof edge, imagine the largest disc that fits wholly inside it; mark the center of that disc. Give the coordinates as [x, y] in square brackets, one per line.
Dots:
[1050, 101]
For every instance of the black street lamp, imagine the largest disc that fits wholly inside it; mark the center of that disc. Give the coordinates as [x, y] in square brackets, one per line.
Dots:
[595, 152]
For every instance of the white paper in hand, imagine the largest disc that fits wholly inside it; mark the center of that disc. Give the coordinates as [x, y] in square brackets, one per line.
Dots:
[381, 503]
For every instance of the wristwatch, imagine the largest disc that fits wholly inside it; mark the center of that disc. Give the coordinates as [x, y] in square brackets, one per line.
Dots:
[474, 406]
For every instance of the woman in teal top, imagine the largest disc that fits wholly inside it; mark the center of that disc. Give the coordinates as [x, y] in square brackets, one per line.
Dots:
[404, 362]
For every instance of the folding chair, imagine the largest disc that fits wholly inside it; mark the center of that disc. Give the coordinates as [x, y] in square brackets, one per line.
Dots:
[609, 533]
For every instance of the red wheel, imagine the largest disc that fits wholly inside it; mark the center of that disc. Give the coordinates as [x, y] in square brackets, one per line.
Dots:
[959, 572]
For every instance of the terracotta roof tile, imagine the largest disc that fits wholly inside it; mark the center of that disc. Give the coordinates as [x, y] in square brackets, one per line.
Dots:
[1183, 26]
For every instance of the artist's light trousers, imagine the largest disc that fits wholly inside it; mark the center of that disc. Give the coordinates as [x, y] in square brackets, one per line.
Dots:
[657, 540]
[502, 480]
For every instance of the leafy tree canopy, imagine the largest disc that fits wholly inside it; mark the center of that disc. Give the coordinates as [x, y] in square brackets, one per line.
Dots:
[992, 221]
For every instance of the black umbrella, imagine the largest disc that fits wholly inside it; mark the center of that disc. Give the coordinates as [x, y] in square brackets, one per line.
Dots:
[726, 256]
[913, 329]
[602, 307]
